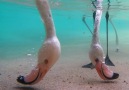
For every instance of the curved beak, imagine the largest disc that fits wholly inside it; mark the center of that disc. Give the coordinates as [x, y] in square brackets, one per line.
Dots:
[104, 72]
[35, 76]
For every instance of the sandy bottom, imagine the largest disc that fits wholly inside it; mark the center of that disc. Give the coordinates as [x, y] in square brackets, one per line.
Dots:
[67, 73]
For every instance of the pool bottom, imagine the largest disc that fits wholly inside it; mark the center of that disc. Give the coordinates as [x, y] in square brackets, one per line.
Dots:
[67, 73]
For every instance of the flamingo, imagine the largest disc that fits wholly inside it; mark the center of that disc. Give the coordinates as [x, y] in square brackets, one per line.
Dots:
[96, 53]
[107, 59]
[50, 50]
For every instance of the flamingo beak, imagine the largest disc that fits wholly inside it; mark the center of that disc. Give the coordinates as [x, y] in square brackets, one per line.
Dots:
[34, 77]
[104, 72]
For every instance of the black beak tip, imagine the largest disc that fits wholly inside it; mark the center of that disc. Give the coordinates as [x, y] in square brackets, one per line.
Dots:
[20, 79]
[115, 76]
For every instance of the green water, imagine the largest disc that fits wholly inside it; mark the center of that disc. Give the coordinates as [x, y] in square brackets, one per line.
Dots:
[22, 31]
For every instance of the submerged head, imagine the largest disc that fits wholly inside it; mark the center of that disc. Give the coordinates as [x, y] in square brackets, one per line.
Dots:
[104, 72]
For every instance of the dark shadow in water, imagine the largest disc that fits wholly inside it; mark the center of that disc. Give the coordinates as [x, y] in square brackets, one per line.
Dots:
[108, 82]
[97, 82]
[26, 88]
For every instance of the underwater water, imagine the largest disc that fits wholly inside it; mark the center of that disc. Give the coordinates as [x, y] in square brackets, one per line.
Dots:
[22, 31]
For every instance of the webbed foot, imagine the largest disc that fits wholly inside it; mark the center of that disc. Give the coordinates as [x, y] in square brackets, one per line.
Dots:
[90, 65]
[108, 61]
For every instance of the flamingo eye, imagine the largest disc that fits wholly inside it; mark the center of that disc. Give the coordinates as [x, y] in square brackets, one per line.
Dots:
[46, 61]
[96, 60]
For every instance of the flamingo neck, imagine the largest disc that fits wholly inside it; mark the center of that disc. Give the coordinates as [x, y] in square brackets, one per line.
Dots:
[46, 16]
[98, 15]
[49, 27]
[95, 39]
